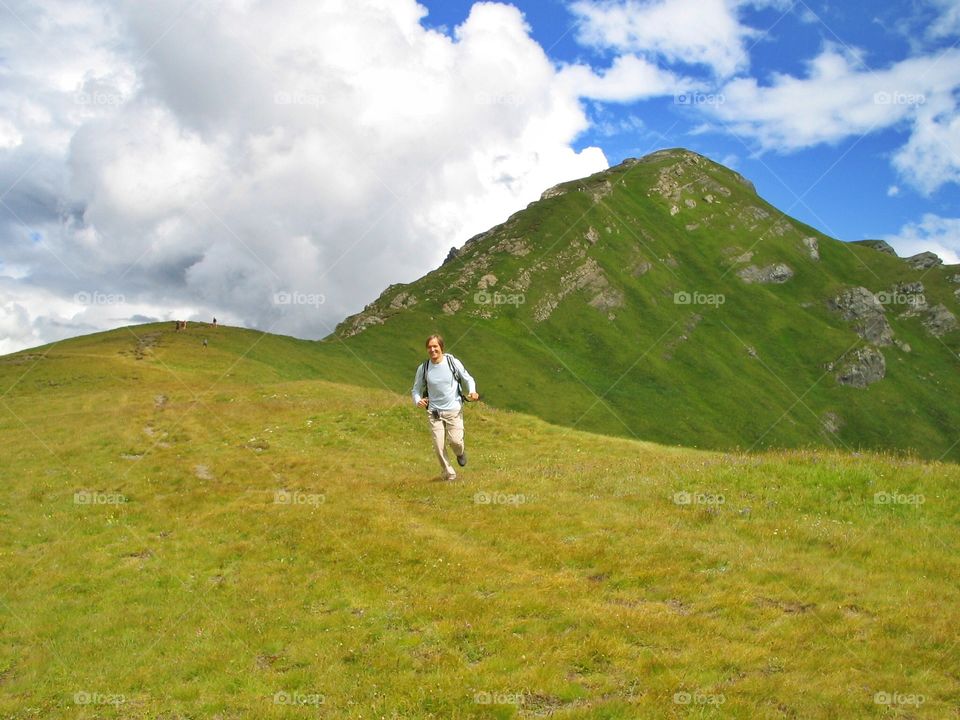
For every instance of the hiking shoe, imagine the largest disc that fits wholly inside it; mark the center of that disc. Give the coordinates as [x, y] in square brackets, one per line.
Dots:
[462, 459]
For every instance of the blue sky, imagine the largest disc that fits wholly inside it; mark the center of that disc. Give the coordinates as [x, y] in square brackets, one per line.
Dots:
[842, 187]
[277, 165]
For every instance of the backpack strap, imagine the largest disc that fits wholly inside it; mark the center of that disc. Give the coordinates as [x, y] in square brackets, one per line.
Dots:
[456, 376]
[423, 381]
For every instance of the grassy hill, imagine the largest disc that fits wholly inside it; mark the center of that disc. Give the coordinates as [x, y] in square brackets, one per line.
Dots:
[227, 532]
[634, 303]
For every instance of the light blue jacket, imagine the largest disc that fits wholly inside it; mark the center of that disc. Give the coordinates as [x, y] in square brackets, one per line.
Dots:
[442, 385]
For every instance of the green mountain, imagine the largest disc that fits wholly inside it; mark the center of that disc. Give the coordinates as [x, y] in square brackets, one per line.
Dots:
[220, 531]
[663, 299]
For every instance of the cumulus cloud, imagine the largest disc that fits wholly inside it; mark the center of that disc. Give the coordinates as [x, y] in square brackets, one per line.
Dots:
[628, 79]
[937, 234]
[837, 99]
[204, 160]
[695, 32]
[931, 157]
[947, 23]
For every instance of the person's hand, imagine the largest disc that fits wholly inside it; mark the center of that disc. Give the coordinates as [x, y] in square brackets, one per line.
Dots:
[423, 402]
[473, 397]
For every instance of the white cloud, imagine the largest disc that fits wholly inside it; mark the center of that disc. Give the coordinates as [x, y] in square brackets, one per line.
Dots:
[629, 79]
[837, 99]
[696, 32]
[199, 159]
[937, 234]
[931, 157]
[893, 191]
[948, 23]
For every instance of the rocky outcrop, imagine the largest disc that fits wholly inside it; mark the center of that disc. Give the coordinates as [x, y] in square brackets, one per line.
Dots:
[940, 321]
[402, 301]
[555, 191]
[879, 245]
[513, 246]
[359, 323]
[831, 422]
[908, 295]
[590, 277]
[778, 273]
[925, 260]
[860, 306]
[451, 307]
[487, 281]
[813, 247]
[862, 368]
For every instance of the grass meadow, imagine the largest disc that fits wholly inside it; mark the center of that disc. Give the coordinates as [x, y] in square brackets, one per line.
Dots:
[190, 533]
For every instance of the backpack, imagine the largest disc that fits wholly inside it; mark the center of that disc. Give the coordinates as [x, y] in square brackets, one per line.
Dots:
[453, 369]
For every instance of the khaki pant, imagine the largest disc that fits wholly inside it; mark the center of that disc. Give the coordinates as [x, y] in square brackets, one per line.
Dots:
[450, 425]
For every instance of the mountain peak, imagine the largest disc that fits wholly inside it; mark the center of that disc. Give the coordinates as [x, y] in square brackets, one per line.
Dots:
[673, 259]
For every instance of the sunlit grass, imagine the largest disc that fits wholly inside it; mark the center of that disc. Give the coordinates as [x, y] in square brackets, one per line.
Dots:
[280, 549]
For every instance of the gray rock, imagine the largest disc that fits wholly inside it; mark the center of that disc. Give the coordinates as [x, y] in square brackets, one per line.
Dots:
[451, 307]
[403, 300]
[555, 191]
[864, 367]
[879, 245]
[909, 288]
[940, 321]
[487, 281]
[777, 273]
[813, 247]
[925, 260]
[831, 422]
[860, 306]
[955, 278]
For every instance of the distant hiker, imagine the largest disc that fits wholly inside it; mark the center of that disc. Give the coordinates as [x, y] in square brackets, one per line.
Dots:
[214, 322]
[437, 387]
